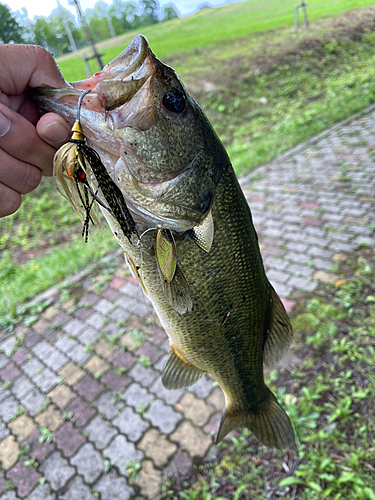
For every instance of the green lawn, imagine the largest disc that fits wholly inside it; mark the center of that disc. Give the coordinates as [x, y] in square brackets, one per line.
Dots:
[263, 94]
[210, 26]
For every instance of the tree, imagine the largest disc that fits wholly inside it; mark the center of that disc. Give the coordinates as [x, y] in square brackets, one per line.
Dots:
[22, 18]
[149, 14]
[10, 30]
[169, 12]
[124, 16]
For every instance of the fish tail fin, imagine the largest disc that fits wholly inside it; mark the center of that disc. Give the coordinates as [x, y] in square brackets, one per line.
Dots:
[268, 422]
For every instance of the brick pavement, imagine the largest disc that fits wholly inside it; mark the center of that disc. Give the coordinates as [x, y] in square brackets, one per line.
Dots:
[83, 413]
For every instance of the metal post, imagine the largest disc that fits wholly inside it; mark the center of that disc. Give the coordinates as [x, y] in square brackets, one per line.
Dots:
[87, 67]
[304, 11]
[296, 23]
[86, 32]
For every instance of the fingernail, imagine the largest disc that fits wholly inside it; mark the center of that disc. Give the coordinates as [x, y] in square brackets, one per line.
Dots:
[4, 125]
[54, 132]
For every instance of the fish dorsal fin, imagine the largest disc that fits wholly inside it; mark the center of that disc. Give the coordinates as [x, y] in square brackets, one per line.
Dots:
[279, 334]
[166, 253]
[203, 233]
[178, 293]
[178, 372]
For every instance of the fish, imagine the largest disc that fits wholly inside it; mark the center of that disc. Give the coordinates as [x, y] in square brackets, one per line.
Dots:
[195, 252]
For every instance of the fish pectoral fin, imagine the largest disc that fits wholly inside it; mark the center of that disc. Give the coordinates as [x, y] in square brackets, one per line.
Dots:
[279, 334]
[134, 272]
[203, 233]
[269, 423]
[178, 372]
[177, 292]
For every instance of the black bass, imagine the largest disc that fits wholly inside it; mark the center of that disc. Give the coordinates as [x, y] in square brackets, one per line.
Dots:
[196, 255]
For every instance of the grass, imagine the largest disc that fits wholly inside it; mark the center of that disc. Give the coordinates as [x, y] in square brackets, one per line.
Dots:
[328, 395]
[263, 94]
[210, 26]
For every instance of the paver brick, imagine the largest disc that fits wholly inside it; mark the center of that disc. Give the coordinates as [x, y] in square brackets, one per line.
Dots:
[18, 357]
[162, 416]
[61, 396]
[196, 410]
[51, 418]
[78, 354]
[88, 387]
[9, 373]
[24, 478]
[41, 326]
[66, 344]
[71, 373]
[82, 412]
[107, 405]
[8, 452]
[9, 495]
[121, 451]
[170, 397]
[96, 365]
[7, 407]
[100, 432]
[157, 447]
[3, 430]
[112, 487]
[131, 424]
[136, 396]
[76, 490]
[144, 375]
[150, 480]
[88, 462]
[123, 359]
[115, 382]
[326, 277]
[96, 320]
[203, 387]
[42, 350]
[57, 471]
[33, 401]
[39, 450]
[32, 367]
[103, 349]
[22, 427]
[41, 493]
[74, 327]
[191, 439]
[45, 380]
[180, 465]
[31, 339]
[68, 439]
[103, 306]
[56, 360]
[88, 335]
[149, 350]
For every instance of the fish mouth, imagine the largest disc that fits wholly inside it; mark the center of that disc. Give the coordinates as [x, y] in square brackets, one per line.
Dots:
[121, 105]
[116, 85]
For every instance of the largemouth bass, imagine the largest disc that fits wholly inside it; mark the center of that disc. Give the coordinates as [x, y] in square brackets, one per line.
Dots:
[196, 255]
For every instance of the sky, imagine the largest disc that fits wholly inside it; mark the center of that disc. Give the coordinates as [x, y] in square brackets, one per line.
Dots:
[44, 7]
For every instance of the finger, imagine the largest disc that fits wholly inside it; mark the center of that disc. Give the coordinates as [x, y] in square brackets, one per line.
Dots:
[27, 66]
[10, 200]
[18, 175]
[53, 129]
[20, 139]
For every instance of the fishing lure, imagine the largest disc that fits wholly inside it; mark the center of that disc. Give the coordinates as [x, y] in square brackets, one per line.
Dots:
[75, 159]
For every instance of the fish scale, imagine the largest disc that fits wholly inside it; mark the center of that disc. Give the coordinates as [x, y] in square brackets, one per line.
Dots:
[197, 258]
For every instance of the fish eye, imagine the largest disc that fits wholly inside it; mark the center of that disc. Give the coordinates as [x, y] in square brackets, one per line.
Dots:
[174, 101]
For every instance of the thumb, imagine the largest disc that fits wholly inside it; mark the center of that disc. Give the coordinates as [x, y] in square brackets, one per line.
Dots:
[53, 129]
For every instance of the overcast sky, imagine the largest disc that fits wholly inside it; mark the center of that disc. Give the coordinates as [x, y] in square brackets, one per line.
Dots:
[44, 7]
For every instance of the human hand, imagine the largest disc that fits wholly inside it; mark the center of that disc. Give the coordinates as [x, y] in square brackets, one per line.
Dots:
[28, 142]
